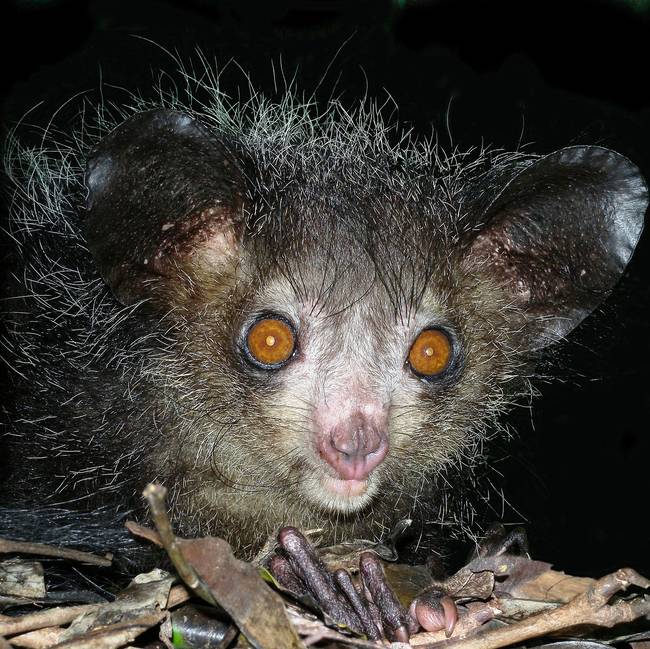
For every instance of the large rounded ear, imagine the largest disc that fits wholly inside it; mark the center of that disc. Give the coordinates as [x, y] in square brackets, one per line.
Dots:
[162, 191]
[559, 234]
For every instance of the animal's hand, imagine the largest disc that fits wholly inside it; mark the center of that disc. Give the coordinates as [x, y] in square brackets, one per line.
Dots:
[370, 607]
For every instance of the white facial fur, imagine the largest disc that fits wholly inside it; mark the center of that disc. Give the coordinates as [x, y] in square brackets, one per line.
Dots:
[350, 360]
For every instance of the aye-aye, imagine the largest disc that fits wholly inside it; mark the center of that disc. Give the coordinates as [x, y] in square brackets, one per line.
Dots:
[285, 316]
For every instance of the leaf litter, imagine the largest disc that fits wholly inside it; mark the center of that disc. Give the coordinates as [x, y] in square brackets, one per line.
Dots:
[215, 600]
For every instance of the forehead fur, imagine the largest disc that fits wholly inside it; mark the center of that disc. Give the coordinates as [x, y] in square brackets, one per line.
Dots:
[333, 248]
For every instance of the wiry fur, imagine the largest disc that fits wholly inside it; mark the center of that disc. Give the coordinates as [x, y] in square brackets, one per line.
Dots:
[350, 218]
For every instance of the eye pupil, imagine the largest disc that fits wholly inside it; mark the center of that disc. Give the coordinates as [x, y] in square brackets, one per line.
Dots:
[270, 341]
[431, 353]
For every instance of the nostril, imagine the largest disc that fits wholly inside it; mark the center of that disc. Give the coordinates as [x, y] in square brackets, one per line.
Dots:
[356, 442]
[371, 440]
[354, 456]
[344, 444]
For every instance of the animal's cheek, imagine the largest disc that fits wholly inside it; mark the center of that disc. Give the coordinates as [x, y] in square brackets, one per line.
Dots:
[409, 410]
[285, 413]
[426, 427]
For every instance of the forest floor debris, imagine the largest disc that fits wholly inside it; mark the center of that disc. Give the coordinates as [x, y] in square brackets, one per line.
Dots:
[221, 601]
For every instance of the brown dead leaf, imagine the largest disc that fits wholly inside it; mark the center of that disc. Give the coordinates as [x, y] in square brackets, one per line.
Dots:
[524, 578]
[512, 568]
[407, 581]
[142, 532]
[468, 584]
[237, 586]
[346, 555]
[596, 607]
[551, 586]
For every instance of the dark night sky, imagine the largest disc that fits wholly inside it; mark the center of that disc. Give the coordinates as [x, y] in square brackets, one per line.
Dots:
[544, 73]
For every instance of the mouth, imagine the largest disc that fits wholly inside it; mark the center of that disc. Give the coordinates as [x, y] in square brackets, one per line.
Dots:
[344, 488]
[336, 494]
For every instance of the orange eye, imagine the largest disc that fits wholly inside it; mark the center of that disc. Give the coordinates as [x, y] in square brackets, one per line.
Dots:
[270, 341]
[431, 353]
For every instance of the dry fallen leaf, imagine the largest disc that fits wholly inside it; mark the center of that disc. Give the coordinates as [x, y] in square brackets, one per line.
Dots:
[238, 587]
[145, 596]
[19, 578]
[504, 600]
[551, 586]
[209, 567]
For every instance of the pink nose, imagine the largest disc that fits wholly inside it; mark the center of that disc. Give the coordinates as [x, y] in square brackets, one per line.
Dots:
[354, 447]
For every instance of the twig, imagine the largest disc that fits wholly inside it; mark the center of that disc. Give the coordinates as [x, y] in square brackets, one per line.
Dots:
[155, 496]
[63, 615]
[42, 619]
[40, 639]
[20, 547]
[118, 634]
[588, 608]
[178, 595]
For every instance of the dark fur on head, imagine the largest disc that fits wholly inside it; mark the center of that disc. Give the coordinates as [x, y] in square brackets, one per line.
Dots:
[149, 244]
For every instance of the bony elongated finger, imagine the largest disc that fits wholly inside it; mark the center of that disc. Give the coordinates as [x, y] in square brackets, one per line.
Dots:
[358, 603]
[376, 617]
[304, 561]
[394, 615]
[312, 571]
[433, 610]
[281, 569]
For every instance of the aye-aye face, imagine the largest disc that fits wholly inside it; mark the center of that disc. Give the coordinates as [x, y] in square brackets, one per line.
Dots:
[364, 392]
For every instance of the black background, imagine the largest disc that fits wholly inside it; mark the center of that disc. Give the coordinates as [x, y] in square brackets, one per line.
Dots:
[543, 74]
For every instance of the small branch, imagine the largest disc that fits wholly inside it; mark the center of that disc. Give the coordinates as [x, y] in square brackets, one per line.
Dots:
[178, 595]
[118, 634]
[40, 639]
[41, 630]
[589, 608]
[20, 547]
[42, 619]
